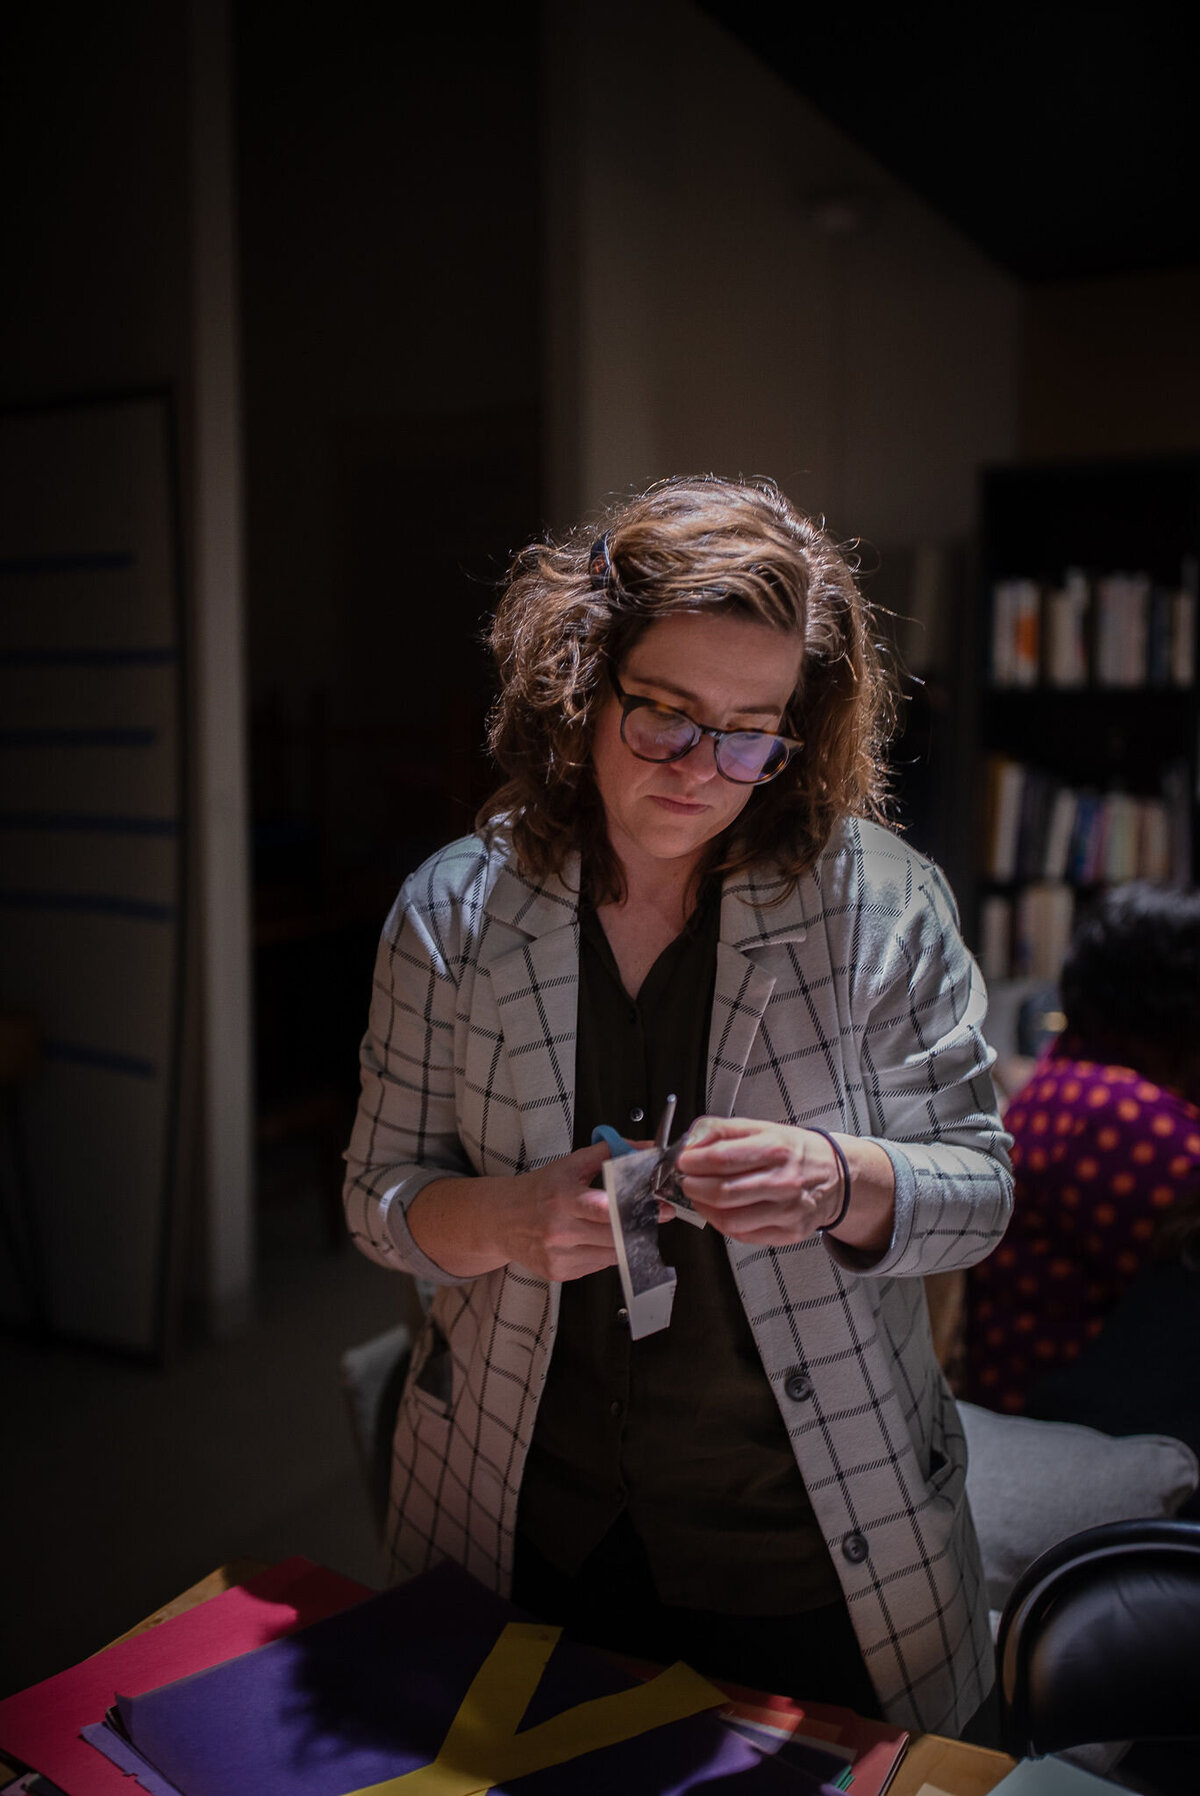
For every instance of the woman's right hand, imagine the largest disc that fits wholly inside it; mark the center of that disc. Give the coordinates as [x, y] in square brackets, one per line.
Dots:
[559, 1223]
[550, 1221]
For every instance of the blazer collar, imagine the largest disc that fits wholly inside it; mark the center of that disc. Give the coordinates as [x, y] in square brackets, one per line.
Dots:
[749, 918]
[535, 907]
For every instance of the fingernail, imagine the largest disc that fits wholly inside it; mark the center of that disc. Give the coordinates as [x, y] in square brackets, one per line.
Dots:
[698, 1134]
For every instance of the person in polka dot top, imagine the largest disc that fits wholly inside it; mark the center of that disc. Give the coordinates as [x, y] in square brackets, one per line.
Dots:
[1106, 1142]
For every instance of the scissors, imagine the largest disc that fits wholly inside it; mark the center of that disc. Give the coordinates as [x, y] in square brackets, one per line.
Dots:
[662, 1180]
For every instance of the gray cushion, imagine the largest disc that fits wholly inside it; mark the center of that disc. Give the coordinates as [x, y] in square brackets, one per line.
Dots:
[1032, 1484]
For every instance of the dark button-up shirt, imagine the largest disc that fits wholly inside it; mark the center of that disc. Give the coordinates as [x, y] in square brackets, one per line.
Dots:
[681, 1428]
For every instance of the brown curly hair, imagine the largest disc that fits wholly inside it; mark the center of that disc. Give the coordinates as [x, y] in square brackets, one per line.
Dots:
[688, 544]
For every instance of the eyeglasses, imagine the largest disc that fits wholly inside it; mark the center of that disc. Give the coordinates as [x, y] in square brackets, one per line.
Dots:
[655, 732]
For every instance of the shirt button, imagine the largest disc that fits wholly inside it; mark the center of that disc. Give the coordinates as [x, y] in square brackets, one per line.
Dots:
[622, 1314]
[637, 1114]
[798, 1386]
[614, 1408]
[854, 1547]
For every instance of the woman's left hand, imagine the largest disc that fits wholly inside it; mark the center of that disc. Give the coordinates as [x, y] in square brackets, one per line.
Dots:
[771, 1184]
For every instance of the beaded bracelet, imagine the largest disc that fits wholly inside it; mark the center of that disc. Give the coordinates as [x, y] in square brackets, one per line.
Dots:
[841, 1160]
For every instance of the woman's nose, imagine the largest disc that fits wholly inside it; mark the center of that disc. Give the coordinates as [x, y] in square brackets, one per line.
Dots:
[701, 759]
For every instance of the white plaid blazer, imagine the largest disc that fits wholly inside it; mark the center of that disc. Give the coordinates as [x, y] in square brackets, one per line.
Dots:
[853, 1005]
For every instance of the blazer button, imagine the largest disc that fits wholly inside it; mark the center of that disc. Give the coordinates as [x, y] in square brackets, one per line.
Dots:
[854, 1547]
[798, 1386]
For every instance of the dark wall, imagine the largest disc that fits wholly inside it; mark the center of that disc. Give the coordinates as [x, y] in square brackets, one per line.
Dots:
[389, 241]
[93, 190]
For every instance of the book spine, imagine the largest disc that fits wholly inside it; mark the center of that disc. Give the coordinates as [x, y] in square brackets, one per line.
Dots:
[1183, 638]
[1066, 631]
[1027, 633]
[1043, 930]
[995, 948]
[1006, 786]
[1059, 833]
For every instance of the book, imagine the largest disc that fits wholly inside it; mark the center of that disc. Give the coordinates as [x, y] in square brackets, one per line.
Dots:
[1159, 637]
[1043, 930]
[995, 945]
[1154, 840]
[1016, 633]
[1119, 860]
[1059, 830]
[1066, 631]
[1087, 844]
[1037, 793]
[1000, 661]
[1183, 638]
[1005, 790]
[1122, 629]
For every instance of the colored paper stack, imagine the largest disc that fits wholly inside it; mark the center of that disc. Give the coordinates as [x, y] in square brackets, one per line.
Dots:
[295, 1687]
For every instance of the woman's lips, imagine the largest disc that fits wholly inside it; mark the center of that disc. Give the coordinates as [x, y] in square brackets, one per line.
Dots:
[683, 807]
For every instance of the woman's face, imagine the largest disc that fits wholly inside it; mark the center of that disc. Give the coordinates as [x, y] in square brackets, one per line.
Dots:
[729, 672]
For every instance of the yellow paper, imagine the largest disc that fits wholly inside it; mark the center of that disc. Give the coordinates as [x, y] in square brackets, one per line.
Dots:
[483, 1748]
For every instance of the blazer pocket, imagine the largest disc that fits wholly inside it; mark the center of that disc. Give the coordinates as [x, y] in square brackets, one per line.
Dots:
[947, 1475]
[434, 1380]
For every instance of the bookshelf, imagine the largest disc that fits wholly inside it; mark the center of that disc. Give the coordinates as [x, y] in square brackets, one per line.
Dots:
[1087, 717]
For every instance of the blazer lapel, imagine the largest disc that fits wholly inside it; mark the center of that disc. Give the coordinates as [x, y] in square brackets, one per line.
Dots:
[743, 988]
[536, 987]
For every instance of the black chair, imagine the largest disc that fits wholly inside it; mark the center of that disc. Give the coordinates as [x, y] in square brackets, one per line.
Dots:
[1100, 1641]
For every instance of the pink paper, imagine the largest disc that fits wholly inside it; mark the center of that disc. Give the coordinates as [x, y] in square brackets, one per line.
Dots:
[40, 1726]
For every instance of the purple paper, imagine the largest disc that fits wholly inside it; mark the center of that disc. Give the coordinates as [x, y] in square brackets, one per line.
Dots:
[370, 1694]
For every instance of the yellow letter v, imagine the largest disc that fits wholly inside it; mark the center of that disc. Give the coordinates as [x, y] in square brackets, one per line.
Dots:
[483, 1747]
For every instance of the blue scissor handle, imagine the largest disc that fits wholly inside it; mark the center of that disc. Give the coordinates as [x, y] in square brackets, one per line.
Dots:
[616, 1143]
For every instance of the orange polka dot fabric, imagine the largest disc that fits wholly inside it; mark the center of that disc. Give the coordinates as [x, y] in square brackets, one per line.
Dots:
[1099, 1153]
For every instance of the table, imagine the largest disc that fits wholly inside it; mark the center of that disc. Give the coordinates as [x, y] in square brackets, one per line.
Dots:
[949, 1766]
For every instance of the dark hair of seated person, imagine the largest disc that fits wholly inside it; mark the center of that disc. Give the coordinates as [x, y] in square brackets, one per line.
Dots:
[1130, 984]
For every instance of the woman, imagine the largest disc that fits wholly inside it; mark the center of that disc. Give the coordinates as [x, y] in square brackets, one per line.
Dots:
[680, 890]
[1106, 1147]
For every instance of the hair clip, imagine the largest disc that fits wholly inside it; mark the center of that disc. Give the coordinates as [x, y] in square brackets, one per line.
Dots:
[600, 565]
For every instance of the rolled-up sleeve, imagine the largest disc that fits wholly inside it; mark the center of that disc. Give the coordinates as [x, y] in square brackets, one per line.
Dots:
[406, 1129]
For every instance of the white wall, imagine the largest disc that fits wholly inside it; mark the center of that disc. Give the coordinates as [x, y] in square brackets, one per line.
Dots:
[697, 317]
